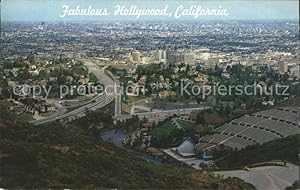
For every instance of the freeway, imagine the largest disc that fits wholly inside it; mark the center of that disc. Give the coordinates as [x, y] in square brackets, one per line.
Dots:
[98, 101]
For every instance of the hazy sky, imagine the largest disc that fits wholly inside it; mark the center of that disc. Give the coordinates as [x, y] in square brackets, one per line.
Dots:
[49, 10]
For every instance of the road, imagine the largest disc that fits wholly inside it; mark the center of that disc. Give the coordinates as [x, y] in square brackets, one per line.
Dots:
[97, 102]
[132, 112]
[159, 115]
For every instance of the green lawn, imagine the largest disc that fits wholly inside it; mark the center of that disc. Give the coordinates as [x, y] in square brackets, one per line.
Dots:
[166, 135]
[185, 124]
[164, 129]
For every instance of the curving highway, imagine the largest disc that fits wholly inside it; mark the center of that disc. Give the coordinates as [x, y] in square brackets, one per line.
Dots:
[99, 101]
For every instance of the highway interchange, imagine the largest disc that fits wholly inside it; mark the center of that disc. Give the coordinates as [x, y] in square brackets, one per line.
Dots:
[97, 102]
[104, 98]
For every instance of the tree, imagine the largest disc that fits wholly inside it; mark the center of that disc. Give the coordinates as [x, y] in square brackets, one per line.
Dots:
[30, 58]
[200, 119]
[227, 110]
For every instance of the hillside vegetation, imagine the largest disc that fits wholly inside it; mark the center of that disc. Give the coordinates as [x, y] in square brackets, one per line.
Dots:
[70, 156]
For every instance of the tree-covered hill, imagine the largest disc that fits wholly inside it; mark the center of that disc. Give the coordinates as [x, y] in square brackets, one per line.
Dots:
[70, 156]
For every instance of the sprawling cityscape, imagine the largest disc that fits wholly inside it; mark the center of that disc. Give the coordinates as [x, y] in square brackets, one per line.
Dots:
[150, 104]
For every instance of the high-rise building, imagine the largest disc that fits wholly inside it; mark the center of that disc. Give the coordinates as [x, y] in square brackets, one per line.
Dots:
[159, 55]
[179, 58]
[171, 57]
[283, 67]
[164, 54]
[136, 57]
[188, 58]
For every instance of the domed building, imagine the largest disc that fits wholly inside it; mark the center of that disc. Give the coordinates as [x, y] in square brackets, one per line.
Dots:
[186, 149]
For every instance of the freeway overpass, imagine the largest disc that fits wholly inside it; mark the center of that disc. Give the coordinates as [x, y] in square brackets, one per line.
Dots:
[97, 102]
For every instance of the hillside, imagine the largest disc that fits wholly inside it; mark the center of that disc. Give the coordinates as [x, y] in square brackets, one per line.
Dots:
[70, 156]
[279, 149]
